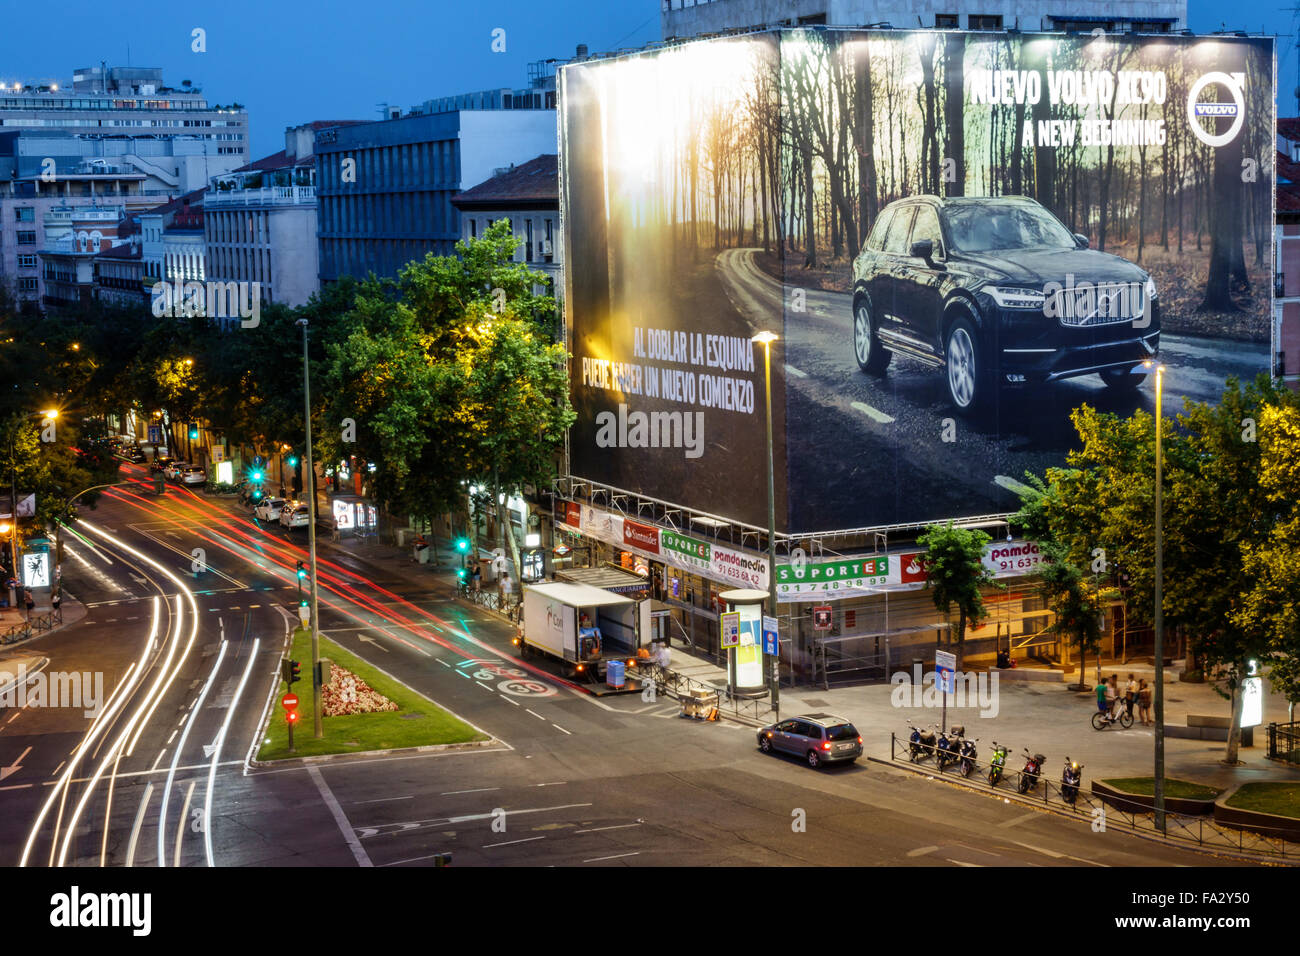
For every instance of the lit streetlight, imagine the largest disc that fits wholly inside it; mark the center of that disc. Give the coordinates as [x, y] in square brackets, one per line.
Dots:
[1159, 621]
[766, 339]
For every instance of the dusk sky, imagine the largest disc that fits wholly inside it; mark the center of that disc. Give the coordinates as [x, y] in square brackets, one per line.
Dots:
[335, 59]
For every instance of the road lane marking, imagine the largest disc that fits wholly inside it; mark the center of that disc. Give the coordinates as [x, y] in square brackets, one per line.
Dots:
[874, 414]
[1054, 854]
[58, 768]
[616, 856]
[135, 828]
[175, 731]
[509, 701]
[621, 826]
[534, 713]
[963, 862]
[340, 818]
[443, 663]
[1020, 819]
[414, 859]
[409, 796]
[486, 687]
[1019, 487]
[464, 675]
[17, 786]
[488, 846]
[558, 727]
[791, 370]
[479, 790]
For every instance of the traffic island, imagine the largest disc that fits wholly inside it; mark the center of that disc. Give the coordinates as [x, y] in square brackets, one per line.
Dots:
[1137, 795]
[410, 721]
[1272, 809]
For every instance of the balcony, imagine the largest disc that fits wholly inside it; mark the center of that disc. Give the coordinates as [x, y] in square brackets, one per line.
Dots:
[266, 196]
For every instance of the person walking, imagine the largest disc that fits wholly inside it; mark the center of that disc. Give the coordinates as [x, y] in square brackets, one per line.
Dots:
[476, 574]
[1130, 694]
[29, 600]
[1144, 703]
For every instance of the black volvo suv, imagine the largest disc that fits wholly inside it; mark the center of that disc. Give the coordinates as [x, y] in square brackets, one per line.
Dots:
[997, 292]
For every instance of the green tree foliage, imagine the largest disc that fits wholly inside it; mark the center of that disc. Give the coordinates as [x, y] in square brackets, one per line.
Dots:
[955, 573]
[1218, 518]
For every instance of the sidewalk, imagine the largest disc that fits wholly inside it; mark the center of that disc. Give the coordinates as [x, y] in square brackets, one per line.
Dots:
[73, 611]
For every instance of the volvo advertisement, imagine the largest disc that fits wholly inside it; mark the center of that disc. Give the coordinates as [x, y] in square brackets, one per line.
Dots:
[956, 238]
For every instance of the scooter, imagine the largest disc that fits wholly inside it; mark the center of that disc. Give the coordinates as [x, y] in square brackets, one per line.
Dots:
[996, 763]
[1070, 778]
[1029, 776]
[949, 744]
[920, 743]
[968, 755]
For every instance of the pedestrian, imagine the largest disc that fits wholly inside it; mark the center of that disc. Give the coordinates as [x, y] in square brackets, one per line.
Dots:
[1130, 694]
[28, 599]
[477, 575]
[1101, 698]
[506, 588]
[1144, 702]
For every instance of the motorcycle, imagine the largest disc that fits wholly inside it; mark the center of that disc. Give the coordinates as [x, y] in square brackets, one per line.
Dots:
[1070, 778]
[968, 755]
[1029, 776]
[996, 763]
[949, 743]
[920, 743]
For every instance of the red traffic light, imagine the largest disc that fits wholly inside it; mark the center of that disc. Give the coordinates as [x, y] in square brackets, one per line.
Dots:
[291, 716]
[289, 702]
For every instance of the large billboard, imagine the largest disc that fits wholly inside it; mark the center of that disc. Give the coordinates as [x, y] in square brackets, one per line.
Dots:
[958, 238]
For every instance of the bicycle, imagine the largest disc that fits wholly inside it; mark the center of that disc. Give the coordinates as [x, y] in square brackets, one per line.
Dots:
[1101, 721]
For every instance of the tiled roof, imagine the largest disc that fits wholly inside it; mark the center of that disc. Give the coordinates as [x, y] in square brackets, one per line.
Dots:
[535, 182]
[127, 250]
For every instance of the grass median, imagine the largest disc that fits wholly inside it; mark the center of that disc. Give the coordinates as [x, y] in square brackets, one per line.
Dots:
[1174, 789]
[417, 722]
[1282, 799]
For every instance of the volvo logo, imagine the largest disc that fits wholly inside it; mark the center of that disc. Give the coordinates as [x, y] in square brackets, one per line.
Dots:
[1198, 112]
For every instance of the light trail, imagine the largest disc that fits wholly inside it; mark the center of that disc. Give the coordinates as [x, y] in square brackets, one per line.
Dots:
[216, 753]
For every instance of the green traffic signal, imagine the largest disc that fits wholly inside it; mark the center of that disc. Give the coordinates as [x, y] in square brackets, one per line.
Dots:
[194, 434]
[460, 573]
[293, 462]
[257, 476]
[462, 545]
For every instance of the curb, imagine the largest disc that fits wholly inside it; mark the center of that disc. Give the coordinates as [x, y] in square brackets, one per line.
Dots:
[1014, 797]
[68, 604]
[28, 674]
[367, 754]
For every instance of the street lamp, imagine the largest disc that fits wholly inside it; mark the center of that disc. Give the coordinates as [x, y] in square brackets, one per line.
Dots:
[309, 478]
[766, 339]
[1159, 621]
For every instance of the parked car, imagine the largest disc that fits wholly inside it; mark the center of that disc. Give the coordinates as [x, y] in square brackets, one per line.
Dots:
[295, 515]
[816, 738]
[161, 464]
[174, 470]
[268, 509]
[135, 455]
[997, 292]
[193, 475]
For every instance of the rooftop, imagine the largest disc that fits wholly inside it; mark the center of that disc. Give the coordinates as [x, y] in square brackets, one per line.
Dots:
[534, 182]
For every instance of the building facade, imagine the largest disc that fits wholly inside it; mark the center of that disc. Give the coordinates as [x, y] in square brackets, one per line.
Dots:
[75, 236]
[529, 196]
[115, 135]
[384, 189]
[689, 18]
[261, 220]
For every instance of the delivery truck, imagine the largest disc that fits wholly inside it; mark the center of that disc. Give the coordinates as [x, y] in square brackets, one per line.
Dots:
[583, 626]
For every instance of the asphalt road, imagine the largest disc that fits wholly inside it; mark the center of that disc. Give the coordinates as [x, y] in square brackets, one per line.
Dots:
[867, 451]
[570, 780]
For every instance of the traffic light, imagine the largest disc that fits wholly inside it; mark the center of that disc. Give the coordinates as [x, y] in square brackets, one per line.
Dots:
[194, 433]
[291, 717]
[295, 672]
[256, 476]
[286, 669]
[461, 573]
[293, 461]
[462, 545]
[302, 571]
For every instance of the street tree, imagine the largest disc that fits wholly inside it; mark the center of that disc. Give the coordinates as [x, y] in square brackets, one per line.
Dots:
[955, 573]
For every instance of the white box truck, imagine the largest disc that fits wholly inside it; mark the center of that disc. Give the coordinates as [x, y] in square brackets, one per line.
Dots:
[582, 625]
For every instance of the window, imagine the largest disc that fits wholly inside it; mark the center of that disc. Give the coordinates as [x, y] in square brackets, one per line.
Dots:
[26, 237]
[26, 262]
[877, 241]
[842, 732]
[981, 21]
[946, 21]
[926, 226]
[473, 228]
[25, 214]
[528, 242]
[1150, 26]
[896, 240]
[27, 284]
